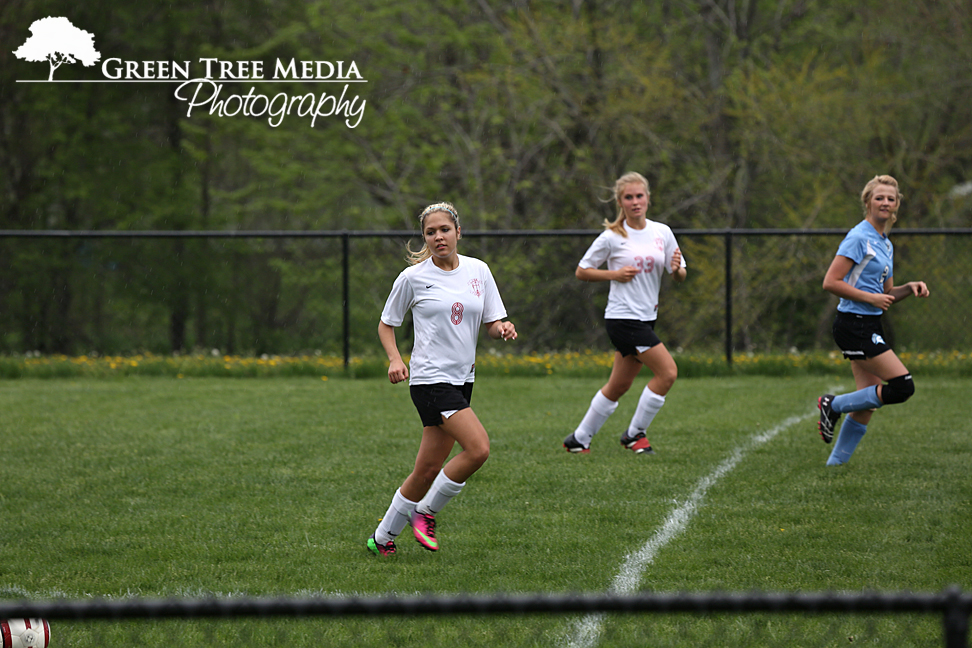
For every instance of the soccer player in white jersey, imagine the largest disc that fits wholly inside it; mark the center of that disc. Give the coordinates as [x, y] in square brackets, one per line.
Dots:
[636, 251]
[862, 275]
[450, 296]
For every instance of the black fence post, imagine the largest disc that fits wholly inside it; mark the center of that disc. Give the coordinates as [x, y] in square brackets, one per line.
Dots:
[346, 332]
[955, 620]
[728, 240]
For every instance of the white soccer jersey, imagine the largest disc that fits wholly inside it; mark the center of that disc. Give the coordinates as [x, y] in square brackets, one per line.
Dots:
[650, 250]
[447, 311]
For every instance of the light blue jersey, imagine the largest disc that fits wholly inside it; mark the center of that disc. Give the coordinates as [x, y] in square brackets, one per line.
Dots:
[873, 257]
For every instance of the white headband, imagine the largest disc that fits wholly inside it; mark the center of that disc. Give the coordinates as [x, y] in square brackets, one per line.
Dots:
[446, 207]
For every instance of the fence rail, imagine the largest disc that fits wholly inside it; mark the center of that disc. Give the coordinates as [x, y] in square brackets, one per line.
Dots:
[953, 605]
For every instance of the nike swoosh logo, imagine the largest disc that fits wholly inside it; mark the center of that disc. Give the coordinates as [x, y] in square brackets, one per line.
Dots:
[430, 541]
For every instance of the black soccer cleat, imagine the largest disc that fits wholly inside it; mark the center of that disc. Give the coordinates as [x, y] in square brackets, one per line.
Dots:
[573, 445]
[638, 444]
[828, 417]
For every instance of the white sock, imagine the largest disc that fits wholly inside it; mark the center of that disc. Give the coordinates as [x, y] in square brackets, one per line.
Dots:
[442, 490]
[399, 514]
[648, 406]
[601, 408]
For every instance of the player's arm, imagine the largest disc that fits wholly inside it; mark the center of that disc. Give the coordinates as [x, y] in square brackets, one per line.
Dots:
[834, 283]
[397, 370]
[624, 275]
[678, 272]
[500, 330]
[916, 288]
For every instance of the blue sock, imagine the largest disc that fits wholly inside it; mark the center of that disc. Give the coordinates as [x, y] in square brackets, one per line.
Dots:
[862, 399]
[851, 433]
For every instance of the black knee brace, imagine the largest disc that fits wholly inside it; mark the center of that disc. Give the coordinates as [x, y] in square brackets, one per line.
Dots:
[898, 390]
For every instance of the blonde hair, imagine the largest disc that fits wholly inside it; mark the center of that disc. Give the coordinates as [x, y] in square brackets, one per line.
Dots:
[631, 177]
[868, 192]
[425, 252]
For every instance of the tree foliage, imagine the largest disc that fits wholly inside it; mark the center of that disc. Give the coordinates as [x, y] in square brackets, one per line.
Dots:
[742, 113]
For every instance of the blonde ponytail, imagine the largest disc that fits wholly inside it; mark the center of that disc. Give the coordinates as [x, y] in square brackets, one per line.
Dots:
[424, 253]
[631, 177]
[868, 191]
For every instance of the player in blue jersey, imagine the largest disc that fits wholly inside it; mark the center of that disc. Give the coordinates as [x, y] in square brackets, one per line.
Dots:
[862, 275]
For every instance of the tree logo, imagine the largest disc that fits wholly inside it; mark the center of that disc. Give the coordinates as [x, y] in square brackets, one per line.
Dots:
[57, 41]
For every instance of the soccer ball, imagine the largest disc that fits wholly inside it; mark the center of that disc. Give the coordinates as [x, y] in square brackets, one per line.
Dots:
[25, 633]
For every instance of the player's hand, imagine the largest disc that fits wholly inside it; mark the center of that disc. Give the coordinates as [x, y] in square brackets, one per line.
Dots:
[676, 260]
[505, 331]
[397, 371]
[881, 300]
[625, 274]
[919, 289]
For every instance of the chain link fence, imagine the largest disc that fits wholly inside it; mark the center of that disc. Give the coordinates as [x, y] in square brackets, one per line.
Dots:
[280, 292]
[295, 292]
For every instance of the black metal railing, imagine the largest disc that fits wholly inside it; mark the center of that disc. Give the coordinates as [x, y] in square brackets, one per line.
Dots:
[952, 605]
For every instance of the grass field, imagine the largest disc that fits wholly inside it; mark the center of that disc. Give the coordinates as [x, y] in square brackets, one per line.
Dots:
[158, 487]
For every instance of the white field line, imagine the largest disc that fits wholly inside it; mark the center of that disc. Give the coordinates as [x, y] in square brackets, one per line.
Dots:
[587, 631]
